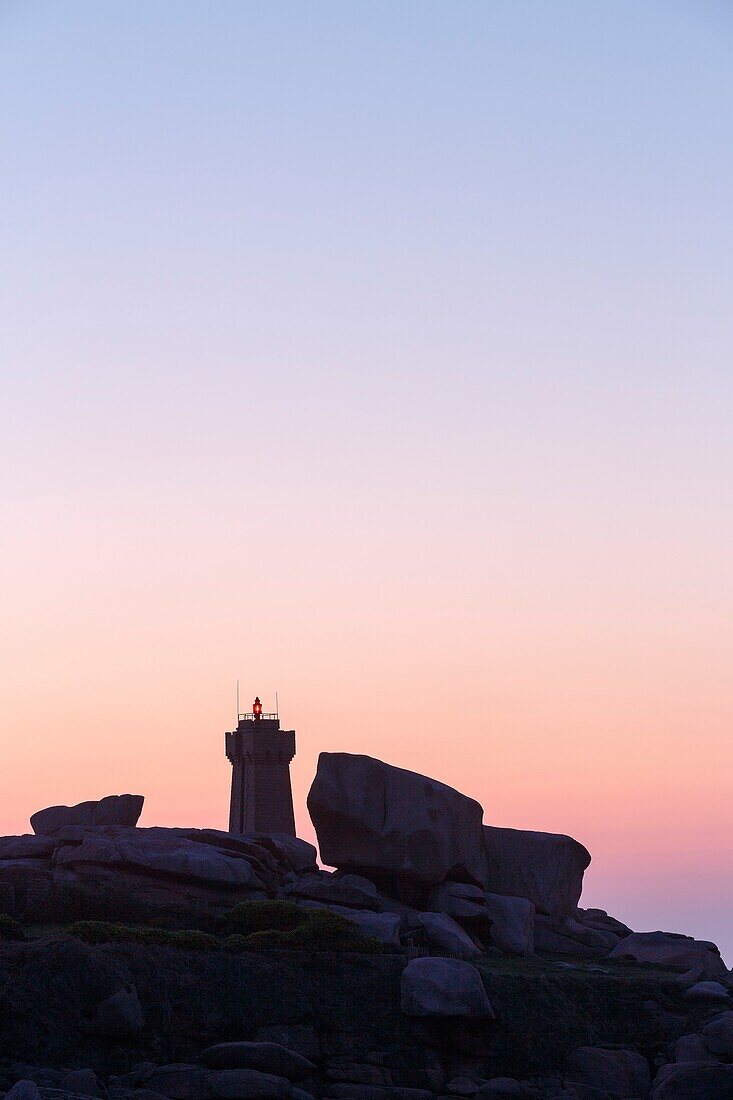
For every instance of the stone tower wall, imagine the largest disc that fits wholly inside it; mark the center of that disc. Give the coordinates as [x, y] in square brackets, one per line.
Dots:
[262, 797]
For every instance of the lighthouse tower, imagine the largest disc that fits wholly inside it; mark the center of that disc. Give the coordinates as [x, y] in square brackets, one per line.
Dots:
[260, 754]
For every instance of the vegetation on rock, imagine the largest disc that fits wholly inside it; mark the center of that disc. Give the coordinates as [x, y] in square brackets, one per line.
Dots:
[250, 925]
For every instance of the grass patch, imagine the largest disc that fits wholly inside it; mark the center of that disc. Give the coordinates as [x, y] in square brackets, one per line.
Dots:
[251, 925]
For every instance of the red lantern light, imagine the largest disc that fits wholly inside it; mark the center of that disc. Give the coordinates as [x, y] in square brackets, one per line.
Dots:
[257, 709]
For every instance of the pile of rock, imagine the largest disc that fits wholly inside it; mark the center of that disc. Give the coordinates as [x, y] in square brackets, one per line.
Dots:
[97, 847]
[418, 849]
[415, 868]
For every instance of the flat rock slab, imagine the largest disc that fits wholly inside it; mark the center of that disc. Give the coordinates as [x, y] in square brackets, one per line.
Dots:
[671, 949]
[115, 809]
[153, 852]
[266, 1057]
[184, 1082]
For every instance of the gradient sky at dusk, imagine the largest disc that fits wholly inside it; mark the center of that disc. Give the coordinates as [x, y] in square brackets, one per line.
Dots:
[380, 354]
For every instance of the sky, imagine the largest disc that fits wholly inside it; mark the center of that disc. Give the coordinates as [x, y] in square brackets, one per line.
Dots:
[377, 354]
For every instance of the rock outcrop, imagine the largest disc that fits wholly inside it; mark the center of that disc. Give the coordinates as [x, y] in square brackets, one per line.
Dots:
[151, 852]
[671, 949]
[115, 809]
[545, 868]
[400, 829]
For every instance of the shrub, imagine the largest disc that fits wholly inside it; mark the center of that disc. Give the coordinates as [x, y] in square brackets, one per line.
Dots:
[285, 924]
[191, 939]
[100, 931]
[235, 943]
[10, 929]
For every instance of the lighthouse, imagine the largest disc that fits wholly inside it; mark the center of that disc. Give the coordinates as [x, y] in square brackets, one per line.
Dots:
[260, 754]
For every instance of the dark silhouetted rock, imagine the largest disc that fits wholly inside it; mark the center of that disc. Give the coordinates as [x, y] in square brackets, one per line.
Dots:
[671, 949]
[23, 1090]
[26, 847]
[357, 1073]
[115, 809]
[512, 923]
[503, 1088]
[564, 935]
[394, 826]
[118, 1092]
[620, 1073]
[443, 932]
[600, 920]
[545, 868]
[298, 855]
[118, 1016]
[164, 852]
[462, 1086]
[302, 1038]
[184, 1082]
[443, 987]
[266, 1057]
[718, 1035]
[83, 1082]
[466, 904]
[693, 1081]
[328, 888]
[708, 993]
[346, 1091]
[692, 1048]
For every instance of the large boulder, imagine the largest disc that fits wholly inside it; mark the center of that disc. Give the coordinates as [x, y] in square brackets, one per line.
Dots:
[396, 827]
[620, 1073]
[693, 1048]
[718, 1035]
[672, 949]
[115, 809]
[443, 987]
[545, 868]
[694, 1081]
[24, 1090]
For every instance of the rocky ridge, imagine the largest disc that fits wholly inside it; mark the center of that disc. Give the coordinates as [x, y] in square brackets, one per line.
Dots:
[452, 901]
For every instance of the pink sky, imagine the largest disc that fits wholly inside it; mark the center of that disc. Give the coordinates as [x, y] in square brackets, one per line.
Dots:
[384, 362]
